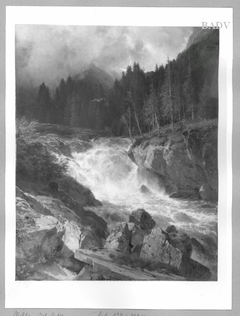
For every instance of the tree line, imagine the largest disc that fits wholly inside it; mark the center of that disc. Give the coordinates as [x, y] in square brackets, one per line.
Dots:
[186, 88]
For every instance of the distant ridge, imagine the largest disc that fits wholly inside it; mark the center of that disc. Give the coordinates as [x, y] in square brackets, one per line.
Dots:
[198, 35]
[97, 75]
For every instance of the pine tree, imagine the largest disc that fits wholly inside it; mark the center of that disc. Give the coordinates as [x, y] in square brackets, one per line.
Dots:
[150, 112]
[43, 104]
[126, 119]
[166, 95]
[71, 113]
[135, 109]
[188, 91]
[61, 100]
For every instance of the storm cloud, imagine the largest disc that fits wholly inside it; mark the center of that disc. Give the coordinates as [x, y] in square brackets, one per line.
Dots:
[48, 52]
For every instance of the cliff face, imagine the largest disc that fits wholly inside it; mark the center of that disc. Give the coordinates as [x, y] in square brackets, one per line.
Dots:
[185, 161]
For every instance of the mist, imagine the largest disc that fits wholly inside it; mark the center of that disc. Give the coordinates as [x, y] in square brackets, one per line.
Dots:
[48, 53]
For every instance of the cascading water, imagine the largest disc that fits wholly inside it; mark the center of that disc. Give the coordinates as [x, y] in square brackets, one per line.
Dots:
[113, 178]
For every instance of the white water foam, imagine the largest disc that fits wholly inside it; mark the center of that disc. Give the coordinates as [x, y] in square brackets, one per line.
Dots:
[110, 174]
[113, 178]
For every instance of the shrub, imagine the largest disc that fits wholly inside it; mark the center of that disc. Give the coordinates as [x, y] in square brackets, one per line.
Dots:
[34, 160]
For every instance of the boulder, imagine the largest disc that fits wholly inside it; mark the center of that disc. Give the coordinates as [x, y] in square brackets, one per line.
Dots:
[85, 218]
[48, 231]
[119, 238]
[207, 193]
[136, 241]
[88, 240]
[184, 194]
[103, 264]
[38, 236]
[180, 241]
[71, 239]
[193, 270]
[144, 189]
[79, 193]
[143, 220]
[158, 250]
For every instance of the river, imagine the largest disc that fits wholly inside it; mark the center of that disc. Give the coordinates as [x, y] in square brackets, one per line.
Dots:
[114, 179]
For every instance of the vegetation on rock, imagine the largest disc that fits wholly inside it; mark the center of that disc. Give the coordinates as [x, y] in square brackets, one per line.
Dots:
[34, 160]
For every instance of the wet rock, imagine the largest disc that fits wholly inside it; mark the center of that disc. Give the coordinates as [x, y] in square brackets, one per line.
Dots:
[207, 193]
[119, 238]
[143, 220]
[150, 179]
[79, 193]
[180, 241]
[185, 194]
[184, 160]
[183, 218]
[85, 218]
[171, 229]
[144, 189]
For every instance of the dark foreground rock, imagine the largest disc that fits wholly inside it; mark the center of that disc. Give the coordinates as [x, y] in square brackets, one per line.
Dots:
[78, 192]
[106, 264]
[180, 241]
[57, 233]
[159, 249]
[142, 246]
[143, 220]
[48, 231]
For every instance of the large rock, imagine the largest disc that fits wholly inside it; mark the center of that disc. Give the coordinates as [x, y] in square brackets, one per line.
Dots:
[184, 160]
[48, 230]
[106, 264]
[143, 220]
[71, 239]
[136, 242]
[207, 193]
[89, 240]
[81, 194]
[180, 241]
[128, 237]
[38, 237]
[119, 238]
[158, 250]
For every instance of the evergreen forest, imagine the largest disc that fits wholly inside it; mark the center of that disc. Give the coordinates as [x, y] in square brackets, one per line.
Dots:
[136, 102]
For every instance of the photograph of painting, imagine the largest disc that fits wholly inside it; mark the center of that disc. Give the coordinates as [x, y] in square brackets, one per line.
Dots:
[119, 151]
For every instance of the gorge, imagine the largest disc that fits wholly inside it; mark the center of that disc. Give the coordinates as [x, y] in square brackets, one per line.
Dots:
[118, 213]
[117, 174]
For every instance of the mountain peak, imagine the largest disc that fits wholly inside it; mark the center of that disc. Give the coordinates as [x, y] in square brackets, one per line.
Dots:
[198, 35]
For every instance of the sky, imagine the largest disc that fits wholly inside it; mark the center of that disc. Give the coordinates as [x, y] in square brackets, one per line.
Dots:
[48, 53]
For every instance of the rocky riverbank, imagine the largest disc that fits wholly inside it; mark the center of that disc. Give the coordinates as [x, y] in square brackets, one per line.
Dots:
[60, 240]
[185, 162]
[61, 235]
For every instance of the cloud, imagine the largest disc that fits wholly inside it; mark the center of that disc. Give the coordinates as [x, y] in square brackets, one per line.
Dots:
[48, 53]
